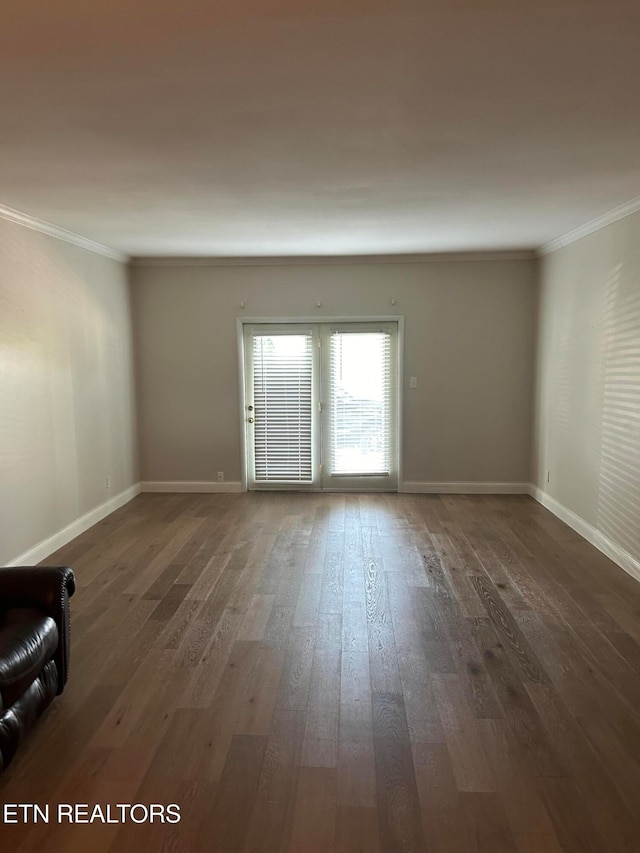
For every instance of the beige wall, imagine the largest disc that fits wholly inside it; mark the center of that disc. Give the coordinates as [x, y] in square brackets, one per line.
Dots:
[66, 385]
[587, 396]
[468, 340]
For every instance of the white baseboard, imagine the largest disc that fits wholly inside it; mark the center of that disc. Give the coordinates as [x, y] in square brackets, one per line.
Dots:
[80, 525]
[609, 548]
[190, 486]
[418, 488]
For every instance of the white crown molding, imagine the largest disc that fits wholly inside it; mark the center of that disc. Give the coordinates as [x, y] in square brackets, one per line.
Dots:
[598, 539]
[464, 488]
[608, 218]
[52, 230]
[190, 486]
[332, 260]
[58, 540]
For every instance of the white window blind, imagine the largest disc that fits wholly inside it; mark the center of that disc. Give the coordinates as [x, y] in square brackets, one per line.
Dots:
[283, 398]
[360, 389]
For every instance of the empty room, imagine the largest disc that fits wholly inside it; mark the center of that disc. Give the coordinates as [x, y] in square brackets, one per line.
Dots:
[320, 426]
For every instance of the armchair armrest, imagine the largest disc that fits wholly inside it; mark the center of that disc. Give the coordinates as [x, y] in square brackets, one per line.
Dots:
[49, 589]
[37, 586]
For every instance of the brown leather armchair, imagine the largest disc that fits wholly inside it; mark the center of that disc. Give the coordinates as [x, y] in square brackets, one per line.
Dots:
[34, 647]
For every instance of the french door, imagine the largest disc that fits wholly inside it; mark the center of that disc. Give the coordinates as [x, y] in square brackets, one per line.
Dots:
[321, 407]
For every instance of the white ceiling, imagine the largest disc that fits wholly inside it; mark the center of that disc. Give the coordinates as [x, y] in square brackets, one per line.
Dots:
[303, 127]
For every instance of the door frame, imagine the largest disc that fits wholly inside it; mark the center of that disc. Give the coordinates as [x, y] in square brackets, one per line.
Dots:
[241, 322]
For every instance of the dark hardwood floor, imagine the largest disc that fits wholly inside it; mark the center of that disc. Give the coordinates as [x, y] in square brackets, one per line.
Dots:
[304, 672]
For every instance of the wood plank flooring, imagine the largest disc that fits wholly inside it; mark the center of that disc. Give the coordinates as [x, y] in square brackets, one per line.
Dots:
[304, 672]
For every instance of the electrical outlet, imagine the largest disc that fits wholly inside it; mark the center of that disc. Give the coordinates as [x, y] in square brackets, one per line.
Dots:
[108, 481]
[221, 476]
